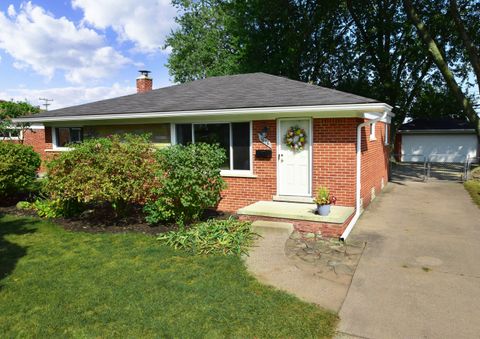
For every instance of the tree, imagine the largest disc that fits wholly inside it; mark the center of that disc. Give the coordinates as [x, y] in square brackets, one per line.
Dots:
[365, 47]
[438, 56]
[10, 110]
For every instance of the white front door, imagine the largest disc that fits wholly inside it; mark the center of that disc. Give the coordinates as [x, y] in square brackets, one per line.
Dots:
[293, 165]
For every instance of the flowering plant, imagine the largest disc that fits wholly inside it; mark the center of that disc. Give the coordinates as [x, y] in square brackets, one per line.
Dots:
[295, 138]
[324, 197]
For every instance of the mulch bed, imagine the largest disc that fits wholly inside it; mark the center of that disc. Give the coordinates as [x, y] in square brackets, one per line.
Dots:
[104, 221]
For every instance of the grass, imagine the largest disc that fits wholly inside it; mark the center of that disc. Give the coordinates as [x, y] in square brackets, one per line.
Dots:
[473, 187]
[55, 283]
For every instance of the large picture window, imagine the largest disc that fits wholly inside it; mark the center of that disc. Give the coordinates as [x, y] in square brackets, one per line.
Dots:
[68, 135]
[234, 138]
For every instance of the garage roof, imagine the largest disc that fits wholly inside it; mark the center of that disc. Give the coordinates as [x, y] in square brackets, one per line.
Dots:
[442, 125]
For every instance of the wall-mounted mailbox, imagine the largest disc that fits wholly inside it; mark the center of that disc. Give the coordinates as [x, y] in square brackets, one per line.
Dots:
[263, 153]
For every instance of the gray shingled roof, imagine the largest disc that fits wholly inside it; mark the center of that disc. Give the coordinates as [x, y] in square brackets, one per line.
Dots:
[253, 90]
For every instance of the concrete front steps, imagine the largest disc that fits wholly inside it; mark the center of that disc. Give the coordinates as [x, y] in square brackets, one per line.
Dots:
[301, 215]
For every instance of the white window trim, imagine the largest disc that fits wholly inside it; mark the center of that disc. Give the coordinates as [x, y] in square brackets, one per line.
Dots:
[20, 136]
[55, 146]
[373, 127]
[225, 173]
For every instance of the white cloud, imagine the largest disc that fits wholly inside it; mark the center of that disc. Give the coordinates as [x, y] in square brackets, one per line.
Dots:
[146, 23]
[11, 10]
[38, 40]
[67, 96]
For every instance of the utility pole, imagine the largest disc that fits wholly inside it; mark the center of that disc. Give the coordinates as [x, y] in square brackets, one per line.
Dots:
[46, 102]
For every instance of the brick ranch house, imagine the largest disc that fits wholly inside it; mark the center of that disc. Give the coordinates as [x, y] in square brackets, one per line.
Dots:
[346, 144]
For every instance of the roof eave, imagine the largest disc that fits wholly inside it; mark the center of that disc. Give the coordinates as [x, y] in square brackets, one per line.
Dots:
[438, 131]
[361, 108]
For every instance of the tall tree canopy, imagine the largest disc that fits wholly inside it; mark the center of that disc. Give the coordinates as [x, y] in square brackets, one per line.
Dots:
[10, 110]
[368, 47]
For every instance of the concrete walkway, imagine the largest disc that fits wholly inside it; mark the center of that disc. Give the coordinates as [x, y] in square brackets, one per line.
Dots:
[419, 276]
[270, 264]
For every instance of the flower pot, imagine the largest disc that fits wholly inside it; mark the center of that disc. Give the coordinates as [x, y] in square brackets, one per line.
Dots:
[323, 209]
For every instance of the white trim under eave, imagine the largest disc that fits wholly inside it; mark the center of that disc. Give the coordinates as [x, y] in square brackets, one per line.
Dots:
[372, 107]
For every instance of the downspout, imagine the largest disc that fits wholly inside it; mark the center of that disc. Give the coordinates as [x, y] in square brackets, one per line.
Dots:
[358, 186]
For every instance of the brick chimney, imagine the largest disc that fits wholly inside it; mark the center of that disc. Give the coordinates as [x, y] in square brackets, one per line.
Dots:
[144, 82]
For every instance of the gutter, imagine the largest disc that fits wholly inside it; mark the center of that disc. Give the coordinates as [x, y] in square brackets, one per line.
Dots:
[327, 109]
[358, 186]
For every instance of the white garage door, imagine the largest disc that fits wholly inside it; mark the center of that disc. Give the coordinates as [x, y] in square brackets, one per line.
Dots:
[439, 147]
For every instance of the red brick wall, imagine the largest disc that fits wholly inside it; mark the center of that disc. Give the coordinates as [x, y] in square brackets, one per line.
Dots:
[374, 162]
[334, 157]
[334, 164]
[40, 140]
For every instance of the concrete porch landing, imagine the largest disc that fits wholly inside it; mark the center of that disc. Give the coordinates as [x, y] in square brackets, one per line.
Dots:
[296, 211]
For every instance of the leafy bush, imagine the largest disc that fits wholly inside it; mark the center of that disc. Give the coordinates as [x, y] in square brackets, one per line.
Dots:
[51, 208]
[119, 170]
[190, 182]
[475, 174]
[225, 237]
[18, 167]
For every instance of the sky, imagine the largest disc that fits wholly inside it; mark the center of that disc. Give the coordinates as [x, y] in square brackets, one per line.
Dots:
[77, 51]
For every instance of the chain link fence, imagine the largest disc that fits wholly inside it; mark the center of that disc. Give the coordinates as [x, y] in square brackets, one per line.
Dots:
[424, 168]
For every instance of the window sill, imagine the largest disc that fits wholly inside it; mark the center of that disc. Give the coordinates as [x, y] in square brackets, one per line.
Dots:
[237, 174]
[372, 138]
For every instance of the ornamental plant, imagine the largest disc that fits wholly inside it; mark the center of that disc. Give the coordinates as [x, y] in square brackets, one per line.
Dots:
[18, 167]
[190, 182]
[118, 170]
[324, 197]
[224, 237]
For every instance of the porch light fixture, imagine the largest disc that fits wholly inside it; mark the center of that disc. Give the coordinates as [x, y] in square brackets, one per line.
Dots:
[262, 136]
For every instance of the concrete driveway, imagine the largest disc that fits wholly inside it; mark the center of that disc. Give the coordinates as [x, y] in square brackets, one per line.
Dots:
[419, 276]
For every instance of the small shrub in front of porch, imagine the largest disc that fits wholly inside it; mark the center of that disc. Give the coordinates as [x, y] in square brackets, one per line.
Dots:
[224, 237]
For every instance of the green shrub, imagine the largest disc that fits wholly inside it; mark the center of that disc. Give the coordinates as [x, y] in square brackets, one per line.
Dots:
[18, 167]
[190, 182]
[23, 205]
[224, 237]
[51, 208]
[119, 170]
[475, 174]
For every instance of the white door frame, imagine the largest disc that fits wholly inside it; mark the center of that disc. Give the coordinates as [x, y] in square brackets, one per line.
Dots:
[310, 149]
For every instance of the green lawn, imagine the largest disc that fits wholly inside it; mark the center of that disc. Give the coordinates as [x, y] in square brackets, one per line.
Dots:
[63, 284]
[473, 187]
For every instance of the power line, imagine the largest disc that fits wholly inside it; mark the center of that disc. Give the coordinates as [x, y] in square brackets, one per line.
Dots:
[46, 102]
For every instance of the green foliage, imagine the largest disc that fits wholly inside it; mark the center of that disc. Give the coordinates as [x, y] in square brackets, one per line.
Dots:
[23, 205]
[324, 197]
[475, 173]
[18, 167]
[226, 237]
[473, 187]
[48, 208]
[201, 45]
[190, 182]
[119, 170]
[12, 109]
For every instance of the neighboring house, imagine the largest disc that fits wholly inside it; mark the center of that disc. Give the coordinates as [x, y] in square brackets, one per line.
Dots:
[249, 115]
[444, 140]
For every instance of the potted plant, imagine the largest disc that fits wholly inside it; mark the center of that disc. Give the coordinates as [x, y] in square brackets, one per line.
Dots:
[323, 200]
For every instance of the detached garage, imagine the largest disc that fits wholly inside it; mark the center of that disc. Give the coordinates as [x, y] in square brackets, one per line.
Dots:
[446, 140]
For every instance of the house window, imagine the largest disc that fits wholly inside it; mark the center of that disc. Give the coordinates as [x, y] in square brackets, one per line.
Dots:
[373, 127]
[68, 135]
[10, 134]
[234, 138]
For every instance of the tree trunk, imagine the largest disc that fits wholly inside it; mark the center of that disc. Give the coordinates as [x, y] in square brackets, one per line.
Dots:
[442, 65]
[467, 42]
